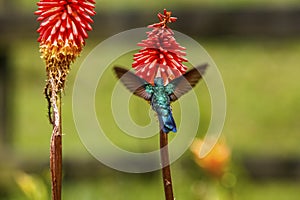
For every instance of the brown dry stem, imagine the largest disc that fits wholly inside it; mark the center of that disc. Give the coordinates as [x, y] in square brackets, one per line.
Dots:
[166, 172]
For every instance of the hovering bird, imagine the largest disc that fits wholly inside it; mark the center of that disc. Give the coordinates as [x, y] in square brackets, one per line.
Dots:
[159, 95]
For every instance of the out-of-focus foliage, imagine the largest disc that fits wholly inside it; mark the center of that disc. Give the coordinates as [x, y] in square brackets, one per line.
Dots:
[27, 5]
[260, 78]
[32, 186]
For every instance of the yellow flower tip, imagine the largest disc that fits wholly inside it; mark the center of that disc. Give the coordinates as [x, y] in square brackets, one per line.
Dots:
[216, 161]
[59, 50]
[58, 58]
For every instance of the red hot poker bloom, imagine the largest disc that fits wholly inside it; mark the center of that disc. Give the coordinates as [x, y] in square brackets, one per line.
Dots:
[65, 21]
[63, 29]
[161, 56]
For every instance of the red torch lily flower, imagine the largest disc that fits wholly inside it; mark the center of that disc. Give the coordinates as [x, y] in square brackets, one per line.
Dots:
[63, 28]
[161, 56]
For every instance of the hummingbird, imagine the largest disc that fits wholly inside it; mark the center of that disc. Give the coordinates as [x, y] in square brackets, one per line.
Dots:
[159, 95]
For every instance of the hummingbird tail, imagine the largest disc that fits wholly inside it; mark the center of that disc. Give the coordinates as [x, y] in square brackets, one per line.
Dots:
[167, 123]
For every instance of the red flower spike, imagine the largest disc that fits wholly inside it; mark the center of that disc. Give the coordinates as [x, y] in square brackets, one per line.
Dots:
[161, 56]
[64, 24]
[63, 30]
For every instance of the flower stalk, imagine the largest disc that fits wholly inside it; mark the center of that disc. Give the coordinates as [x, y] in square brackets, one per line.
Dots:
[165, 161]
[63, 30]
[56, 147]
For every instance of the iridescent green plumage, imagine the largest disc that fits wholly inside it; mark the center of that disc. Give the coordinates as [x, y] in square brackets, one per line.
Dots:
[160, 95]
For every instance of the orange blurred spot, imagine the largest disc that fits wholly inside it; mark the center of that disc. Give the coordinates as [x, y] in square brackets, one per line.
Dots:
[216, 161]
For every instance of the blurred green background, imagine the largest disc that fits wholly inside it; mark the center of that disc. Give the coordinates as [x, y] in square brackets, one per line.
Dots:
[260, 69]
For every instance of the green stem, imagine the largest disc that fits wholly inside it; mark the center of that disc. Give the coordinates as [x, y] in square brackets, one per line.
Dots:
[166, 172]
[56, 147]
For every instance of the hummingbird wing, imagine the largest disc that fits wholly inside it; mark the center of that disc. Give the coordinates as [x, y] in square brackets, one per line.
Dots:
[134, 84]
[186, 82]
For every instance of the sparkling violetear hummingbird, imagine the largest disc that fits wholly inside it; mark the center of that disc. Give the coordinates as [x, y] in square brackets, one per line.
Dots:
[159, 95]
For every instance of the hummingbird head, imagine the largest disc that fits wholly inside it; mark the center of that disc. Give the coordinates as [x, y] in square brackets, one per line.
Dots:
[159, 81]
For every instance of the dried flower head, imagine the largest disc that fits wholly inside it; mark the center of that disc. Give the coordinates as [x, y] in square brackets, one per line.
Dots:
[63, 28]
[216, 161]
[161, 56]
